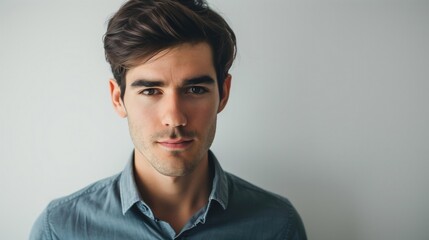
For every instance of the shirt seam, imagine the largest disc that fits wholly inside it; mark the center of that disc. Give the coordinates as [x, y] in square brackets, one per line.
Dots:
[290, 224]
[251, 187]
[70, 198]
[76, 195]
[47, 227]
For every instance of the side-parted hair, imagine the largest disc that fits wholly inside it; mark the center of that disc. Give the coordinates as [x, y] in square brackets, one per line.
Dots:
[142, 28]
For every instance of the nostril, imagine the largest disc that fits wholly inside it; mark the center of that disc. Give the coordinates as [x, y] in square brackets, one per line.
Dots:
[175, 121]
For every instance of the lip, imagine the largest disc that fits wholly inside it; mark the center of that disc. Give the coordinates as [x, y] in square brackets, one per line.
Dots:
[176, 144]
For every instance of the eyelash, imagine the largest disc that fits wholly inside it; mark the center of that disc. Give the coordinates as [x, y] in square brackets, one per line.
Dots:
[201, 90]
[197, 90]
[144, 91]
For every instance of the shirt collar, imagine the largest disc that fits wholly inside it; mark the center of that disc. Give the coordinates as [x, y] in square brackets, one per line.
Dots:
[130, 195]
[220, 182]
[128, 186]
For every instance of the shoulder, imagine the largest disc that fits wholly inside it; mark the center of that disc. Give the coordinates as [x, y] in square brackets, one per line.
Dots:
[264, 208]
[63, 211]
[242, 189]
[91, 193]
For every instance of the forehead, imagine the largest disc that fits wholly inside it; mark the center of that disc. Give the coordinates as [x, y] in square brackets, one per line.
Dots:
[177, 63]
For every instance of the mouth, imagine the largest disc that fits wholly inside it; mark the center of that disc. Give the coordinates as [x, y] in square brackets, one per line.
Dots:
[175, 144]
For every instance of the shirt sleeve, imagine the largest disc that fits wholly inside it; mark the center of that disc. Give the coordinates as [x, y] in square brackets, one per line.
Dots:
[40, 229]
[299, 233]
[294, 228]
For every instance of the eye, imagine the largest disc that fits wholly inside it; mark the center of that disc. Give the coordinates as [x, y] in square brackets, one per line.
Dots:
[149, 91]
[197, 90]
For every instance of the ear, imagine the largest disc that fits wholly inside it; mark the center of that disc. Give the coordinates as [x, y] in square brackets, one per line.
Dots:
[115, 94]
[225, 91]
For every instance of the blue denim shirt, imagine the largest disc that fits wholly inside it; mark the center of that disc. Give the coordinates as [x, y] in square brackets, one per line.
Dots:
[112, 208]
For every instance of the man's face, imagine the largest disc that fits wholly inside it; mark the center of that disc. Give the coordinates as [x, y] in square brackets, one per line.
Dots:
[171, 102]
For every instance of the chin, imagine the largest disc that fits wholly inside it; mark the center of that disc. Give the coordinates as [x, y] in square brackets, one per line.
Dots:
[178, 165]
[175, 171]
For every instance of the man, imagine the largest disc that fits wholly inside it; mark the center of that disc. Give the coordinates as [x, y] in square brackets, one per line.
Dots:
[170, 61]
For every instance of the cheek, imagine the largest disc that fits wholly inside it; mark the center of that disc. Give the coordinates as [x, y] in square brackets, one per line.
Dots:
[203, 114]
[142, 116]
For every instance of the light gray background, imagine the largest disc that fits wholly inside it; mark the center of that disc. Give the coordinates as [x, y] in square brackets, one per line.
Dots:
[329, 107]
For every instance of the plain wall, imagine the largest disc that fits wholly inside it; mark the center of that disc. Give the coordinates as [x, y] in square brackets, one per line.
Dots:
[329, 107]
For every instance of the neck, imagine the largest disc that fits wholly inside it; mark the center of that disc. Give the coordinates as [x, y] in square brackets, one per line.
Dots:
[173, 199]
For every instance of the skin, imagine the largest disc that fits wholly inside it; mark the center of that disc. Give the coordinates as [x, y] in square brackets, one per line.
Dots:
[171, 103]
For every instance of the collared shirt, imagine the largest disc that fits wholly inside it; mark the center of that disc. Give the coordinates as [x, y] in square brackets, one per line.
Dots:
[112, 208]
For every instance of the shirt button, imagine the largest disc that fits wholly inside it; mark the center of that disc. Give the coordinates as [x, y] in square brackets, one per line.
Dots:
[143, 208]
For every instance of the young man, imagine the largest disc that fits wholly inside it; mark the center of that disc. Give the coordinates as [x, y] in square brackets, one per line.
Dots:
[170, 61]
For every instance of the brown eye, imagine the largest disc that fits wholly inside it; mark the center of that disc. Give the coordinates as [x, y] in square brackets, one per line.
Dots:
[197, 90]
[149, 91]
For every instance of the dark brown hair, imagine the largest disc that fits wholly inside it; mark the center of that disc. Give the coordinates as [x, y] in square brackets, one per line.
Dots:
[142, 28]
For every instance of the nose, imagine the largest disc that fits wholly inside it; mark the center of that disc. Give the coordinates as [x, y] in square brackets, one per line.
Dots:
[173, 115]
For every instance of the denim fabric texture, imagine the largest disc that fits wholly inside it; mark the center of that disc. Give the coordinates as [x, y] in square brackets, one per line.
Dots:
[112, 208]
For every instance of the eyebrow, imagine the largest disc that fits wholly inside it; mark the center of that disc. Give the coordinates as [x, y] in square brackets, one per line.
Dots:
[199, 80]
[146, 83]
[192, 81]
